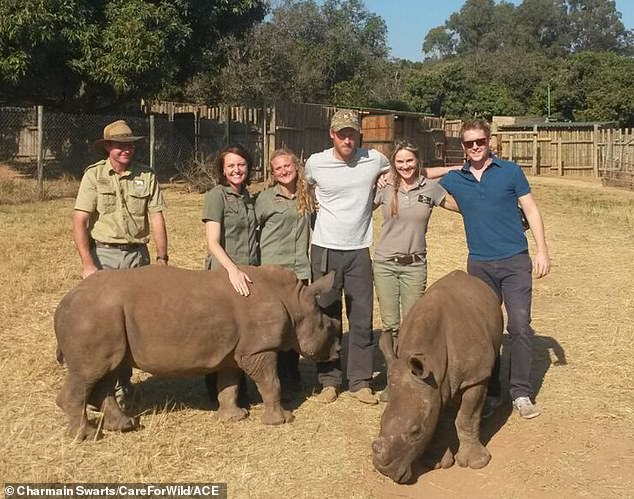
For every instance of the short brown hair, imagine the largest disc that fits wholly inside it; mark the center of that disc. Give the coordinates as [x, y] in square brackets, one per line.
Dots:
[478, 124]
[219, 163]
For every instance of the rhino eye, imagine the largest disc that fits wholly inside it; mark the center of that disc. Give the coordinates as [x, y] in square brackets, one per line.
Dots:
[413, 429]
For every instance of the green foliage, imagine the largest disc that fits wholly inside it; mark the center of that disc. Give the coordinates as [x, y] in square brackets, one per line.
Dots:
[555, 26]
[97, 53]
[490, 57]
[306, 52]
[601, 84]
[496, 59]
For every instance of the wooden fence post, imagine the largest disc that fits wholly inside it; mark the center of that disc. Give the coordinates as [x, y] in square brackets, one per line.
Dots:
[560, 158]
[609, 151]
[152, 139]
[40, 153]
[534, 167]
[225, 110]
[510, 147]
[595, 150]
[265, 144]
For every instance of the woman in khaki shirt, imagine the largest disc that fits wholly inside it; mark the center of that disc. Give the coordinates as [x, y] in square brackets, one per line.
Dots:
[400, 256]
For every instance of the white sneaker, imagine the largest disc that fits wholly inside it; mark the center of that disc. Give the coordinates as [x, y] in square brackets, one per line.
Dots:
[526, 408]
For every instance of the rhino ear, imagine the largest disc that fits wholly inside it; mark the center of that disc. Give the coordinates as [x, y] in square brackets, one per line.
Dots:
[419, 370]
[322, 285]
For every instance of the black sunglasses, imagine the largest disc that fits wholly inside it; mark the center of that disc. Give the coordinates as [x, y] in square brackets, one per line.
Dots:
[479, 142]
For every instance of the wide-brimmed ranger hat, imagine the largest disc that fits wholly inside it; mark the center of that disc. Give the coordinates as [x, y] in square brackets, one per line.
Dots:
[345, 118]
[117, 131]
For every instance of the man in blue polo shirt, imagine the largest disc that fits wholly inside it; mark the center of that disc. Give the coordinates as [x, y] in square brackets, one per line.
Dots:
[487, 190]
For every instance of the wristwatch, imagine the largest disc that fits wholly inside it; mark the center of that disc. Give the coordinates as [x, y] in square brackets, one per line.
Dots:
[165, 258]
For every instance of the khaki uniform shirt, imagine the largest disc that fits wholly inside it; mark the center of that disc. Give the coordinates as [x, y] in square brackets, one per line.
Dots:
[405, 234]
[119, 204]
[236, 215]
[284, 233]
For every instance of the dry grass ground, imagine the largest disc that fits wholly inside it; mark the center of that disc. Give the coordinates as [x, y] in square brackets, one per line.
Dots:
[582, 446]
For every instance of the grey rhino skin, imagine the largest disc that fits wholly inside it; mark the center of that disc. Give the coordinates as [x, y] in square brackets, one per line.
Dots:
[185, 323]
[447, 347]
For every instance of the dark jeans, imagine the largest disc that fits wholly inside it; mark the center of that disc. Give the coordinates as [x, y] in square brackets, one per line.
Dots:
[511, 279]
[354, 277]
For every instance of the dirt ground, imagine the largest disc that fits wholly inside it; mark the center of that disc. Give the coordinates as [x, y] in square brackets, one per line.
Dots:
[582, 446]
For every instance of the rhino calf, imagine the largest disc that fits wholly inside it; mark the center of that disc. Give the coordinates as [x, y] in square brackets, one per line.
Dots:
[185, 323]
[447, 347]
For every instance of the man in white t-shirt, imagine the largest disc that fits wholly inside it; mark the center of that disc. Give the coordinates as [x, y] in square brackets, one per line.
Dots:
[344, 177]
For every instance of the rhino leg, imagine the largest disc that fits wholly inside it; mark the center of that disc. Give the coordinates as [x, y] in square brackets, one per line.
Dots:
[72, 400]
[262, 368]
[228, 382]
[114, 419]
[471, 451]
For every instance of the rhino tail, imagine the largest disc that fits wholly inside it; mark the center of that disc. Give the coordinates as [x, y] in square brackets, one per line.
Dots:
[59, 355]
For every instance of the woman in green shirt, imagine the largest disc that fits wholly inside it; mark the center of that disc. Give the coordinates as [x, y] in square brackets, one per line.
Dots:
[230, 232]
[283, 213]
[229, 218]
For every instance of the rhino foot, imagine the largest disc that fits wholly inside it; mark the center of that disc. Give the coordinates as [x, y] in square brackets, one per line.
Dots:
[473, 456]
[432, 461]
[447, 460]
[85, 431]
[232, 414]
[275, 418]
[124, 423]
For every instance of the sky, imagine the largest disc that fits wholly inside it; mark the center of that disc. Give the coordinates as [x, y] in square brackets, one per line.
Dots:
[408, 21]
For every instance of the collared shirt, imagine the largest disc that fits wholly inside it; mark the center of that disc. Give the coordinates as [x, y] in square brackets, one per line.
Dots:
[493, 225]
[404, 234]
[236, 215]
[284, 233]
[119, 204]
[344, 191]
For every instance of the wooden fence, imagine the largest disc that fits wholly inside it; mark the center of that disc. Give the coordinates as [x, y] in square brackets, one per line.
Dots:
[599, 152]
[596, 150]
[303, 128]
[180, 132]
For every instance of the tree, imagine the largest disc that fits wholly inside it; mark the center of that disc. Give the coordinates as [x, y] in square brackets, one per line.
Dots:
[306, 52]
[480, 25]
[556, 27]
[544, 26]
[96, 53]
[601, 85]
[596, 25]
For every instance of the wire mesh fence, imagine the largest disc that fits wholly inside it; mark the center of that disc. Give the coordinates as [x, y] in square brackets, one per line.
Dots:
[67, 141]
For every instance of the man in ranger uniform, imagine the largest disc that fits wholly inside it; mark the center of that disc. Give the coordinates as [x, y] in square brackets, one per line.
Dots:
[117, 202]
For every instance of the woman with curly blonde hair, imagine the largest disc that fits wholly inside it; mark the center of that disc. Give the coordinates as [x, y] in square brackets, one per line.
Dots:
[283, 212]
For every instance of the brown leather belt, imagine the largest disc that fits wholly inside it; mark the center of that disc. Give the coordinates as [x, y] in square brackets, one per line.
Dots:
[120, 246]
[407, 259]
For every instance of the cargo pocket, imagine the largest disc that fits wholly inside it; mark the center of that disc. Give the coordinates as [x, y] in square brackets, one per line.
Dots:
[106, 198]
[138, 201]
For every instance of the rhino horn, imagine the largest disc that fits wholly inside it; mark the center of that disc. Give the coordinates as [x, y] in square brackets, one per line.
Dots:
[419, 369]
